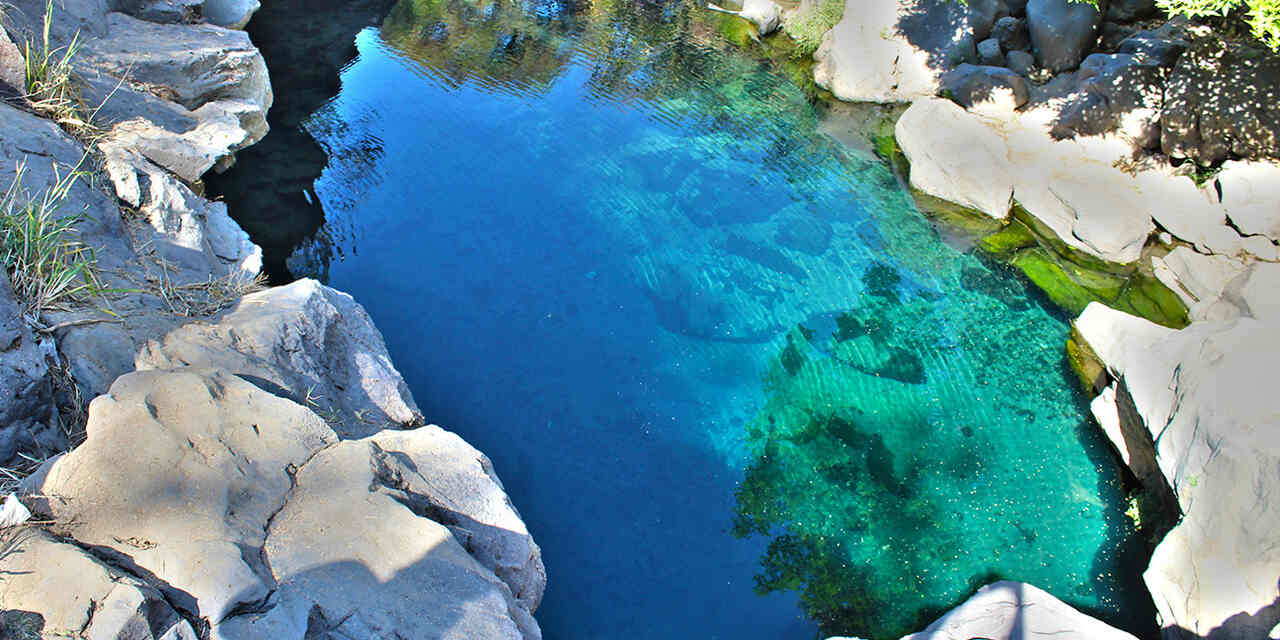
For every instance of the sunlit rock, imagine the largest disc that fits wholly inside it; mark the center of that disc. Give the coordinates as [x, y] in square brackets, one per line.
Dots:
[1016, 611]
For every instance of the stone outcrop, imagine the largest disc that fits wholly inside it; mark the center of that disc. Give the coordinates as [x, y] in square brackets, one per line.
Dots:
[889, 50]
[316, 343]
[1016, 611]
[25, 385]
[1197, 395]
[245, 510]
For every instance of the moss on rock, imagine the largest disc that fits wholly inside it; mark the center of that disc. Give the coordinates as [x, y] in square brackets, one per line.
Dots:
[1006, 242]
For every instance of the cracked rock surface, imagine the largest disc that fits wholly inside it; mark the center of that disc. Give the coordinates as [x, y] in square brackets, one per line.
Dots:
[1016, 611]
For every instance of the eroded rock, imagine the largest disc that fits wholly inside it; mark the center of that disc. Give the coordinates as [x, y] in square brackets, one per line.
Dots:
[26, 388]
[315, 342]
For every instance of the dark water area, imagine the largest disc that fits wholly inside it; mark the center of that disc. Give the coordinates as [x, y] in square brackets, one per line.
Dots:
[734, 381]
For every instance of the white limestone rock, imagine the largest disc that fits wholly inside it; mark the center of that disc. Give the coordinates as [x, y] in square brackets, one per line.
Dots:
[765, 14]
[1251, 196]
[1207, 397]
[1200, 281]
[956, 156]
[889, 50]
[1016, 611]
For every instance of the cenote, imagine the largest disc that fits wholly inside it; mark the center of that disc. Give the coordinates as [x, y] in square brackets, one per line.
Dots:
[738, 386]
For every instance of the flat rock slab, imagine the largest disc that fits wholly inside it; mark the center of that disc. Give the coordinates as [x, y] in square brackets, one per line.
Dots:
[1016, 611]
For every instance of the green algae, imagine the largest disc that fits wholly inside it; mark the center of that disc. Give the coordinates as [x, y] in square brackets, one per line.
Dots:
[1006, 242]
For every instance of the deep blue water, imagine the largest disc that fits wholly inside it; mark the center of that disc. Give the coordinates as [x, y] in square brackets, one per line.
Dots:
[622, 259]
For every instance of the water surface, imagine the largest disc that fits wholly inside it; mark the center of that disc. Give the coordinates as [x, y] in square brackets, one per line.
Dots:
[736, 384]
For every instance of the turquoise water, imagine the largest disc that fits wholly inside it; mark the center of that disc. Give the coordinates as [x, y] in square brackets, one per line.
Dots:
[736, 384]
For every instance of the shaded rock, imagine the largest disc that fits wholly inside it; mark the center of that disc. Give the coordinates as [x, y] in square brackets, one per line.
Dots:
[1012, 34]
[232, 14]
[162, 11]
[1130, 10]
[1250, 192]
[1195, 391]
[988, 88]
[1020, 62]
[315, 342]
[982, 15]
[1017, 8]
[1158, 48]
[77, 595]
[1016, 611]
[1114, 92]
[989, 53]
[179, 476]
[371, 575]
[1062, 32]
[890, 50]
[1110, 35]
[1220, 101]
[26, 388]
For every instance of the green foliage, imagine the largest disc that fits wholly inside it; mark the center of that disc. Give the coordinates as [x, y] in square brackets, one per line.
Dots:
[1262, 16]
[48, 78]
[46, 265]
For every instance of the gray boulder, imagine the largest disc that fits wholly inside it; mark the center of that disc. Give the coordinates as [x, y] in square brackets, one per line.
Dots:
[1198, 394]
[969, 85]
[1154, 48]
[1012, 34]
[989, 53]
[1016, 611]
[1020, 62]
[1220, 101]
[1114, 91]
[163, 11]
[315, 343]
[1062, 32]
[69, 593]
[232, 14]
[983, 14]
[26, 388]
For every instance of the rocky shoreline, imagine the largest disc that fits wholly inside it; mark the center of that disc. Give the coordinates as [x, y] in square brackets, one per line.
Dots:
[1069, 138]
[252, 463]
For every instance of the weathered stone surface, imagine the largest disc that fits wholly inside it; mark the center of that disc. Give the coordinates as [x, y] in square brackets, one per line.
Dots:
[232, 14]
[889, 50]
[12, 64]
[954, 157]
[76, 595]
[987, 88]
[1189, 212]
[982, 15]
[315, 342]
[1129, 10]
[1016, 611]
[26, 389]
[164, 11]
[192, 65]
[1160, 47]
[1115, 92]
[1251, 196]
[353, 555]
[1201, 281]
[1062, 32]
[989, 53]
[1196, 391]
[1221, 101]
[179, 476]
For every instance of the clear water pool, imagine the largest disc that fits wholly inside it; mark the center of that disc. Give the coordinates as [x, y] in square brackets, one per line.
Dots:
[734, 381]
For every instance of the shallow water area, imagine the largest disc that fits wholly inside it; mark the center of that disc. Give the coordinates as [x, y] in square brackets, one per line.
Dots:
[713, 352]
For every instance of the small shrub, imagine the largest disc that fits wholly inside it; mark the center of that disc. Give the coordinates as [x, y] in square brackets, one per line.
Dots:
[46, 265]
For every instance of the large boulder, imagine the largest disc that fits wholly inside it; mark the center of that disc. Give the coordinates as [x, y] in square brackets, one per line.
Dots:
[890, 50]
[1115, 92]
[1016, 611]
[315, 343]
[61, 591]
[944, 144]
[1062, 32]
[1200, 396]
[232, 14]
[360, 547]
[987, 88]
[243, 509]
[1220, 101]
